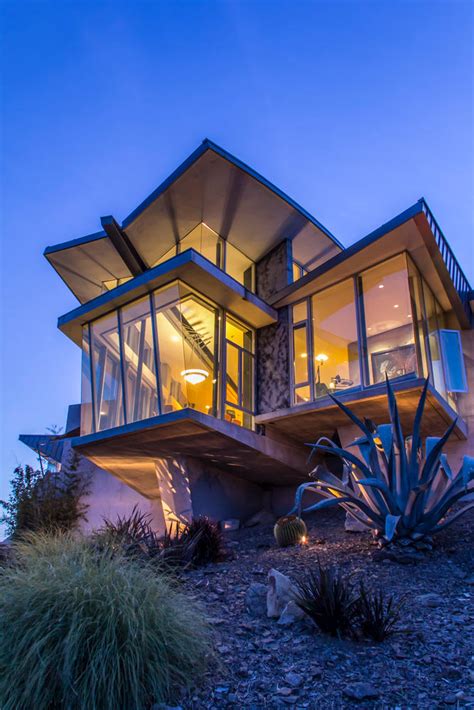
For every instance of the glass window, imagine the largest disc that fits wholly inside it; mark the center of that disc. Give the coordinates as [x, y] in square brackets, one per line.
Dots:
[239, 380]
[335, 343]
[86, 385]
[391, 348]
[418, 318]
[302, 394]
[300, 355]
[205, 241]
[300, 311]
[187, 350]
[431, 308]
[239, 266]
[107, 372]
[139, 361]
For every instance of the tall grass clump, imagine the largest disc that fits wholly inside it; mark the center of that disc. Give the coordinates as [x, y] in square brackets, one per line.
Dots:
[80, 628]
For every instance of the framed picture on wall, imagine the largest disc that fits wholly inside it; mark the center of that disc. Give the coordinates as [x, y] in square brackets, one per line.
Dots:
[393, 363]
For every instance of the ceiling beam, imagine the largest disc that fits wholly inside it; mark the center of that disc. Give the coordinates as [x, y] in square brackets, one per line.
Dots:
[123, 245]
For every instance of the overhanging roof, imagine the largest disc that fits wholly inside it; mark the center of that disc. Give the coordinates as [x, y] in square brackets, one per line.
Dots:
[414, 231]
[192, 269]
[210, 186]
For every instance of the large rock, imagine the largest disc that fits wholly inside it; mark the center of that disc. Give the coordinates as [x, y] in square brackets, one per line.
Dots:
[290, 614]
[430, 600]
[353, 525]
[361, 691]
[256, 599]
[280, 592]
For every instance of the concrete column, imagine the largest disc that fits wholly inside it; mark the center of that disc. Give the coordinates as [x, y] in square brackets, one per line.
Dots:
[175, 490]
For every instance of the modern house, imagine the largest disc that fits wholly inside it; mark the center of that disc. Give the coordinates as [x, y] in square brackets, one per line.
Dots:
[215, 320]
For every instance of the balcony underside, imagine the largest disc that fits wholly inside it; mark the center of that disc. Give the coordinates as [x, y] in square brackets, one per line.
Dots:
[307, 422]
[129, 451]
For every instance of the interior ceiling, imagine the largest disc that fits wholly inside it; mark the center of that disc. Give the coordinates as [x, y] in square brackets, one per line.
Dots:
[231, 202]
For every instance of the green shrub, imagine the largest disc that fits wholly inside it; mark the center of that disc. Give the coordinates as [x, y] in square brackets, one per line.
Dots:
[50, 501]
[377, 613]
[206, 540]
[86, 629]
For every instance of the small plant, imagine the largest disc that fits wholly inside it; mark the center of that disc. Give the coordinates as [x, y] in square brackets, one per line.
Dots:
[206, 540]
[329, 601]
[131, 535]
[398, 490]
[46, 500]
[80, 628]
[289, 530]
[377, 613]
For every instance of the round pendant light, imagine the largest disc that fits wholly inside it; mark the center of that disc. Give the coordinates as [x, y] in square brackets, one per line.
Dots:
[194, 376]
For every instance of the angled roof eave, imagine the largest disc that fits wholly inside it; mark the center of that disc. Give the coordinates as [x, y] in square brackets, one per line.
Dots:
[79, 241]
[209, 145]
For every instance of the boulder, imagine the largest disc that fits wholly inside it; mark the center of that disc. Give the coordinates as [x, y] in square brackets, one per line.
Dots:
[352, 525]
[256, 599]
[280, 592]
[361, 691]
[290, 614]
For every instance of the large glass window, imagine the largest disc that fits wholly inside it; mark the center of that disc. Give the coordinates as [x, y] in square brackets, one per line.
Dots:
[239, 266]
[335, 342]
[434, 320]
[205, 241]
[139, 361]
[239, 377]
[107, 375]
[390, 337]
[187, 345]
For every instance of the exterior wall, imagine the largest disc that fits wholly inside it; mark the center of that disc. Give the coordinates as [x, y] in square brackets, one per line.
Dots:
[273, 272]
[109, 497]
[273, 365]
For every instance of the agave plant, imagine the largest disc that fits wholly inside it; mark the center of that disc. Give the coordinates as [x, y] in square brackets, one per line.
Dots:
[396, 488]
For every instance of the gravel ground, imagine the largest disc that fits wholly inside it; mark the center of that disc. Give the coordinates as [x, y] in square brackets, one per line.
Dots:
[427, 663]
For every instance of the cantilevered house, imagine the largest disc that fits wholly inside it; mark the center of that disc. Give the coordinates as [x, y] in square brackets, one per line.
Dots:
[215, 320]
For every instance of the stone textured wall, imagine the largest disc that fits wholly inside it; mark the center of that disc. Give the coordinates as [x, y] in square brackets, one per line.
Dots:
[273, 272]
[273, 365]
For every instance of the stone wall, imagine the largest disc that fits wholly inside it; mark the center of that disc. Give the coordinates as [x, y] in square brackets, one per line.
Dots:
[273, 365]
[273, 272]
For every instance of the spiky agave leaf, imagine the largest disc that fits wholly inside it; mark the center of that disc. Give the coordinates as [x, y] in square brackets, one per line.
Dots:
[393, 488]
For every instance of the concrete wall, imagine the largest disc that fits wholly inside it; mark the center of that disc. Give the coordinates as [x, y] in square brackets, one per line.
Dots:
[109, 497]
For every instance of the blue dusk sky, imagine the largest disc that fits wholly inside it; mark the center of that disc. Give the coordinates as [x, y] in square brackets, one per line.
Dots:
[354, 109]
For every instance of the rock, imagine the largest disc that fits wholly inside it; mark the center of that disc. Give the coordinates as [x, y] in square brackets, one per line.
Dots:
[361, 691]
[352, 525]
[163, 706]
[280, 592]
[290, 614]
[430, 600]
[256, 599]
[263, 517]
[284, 691]
[293, 679]
[470, 579]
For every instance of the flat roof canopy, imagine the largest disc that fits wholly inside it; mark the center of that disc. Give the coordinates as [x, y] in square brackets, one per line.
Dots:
[211, 186]
[129, 451]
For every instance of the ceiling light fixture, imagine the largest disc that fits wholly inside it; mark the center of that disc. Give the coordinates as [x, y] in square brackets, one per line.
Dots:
[380, 285]
[194, 376]
[396, 305]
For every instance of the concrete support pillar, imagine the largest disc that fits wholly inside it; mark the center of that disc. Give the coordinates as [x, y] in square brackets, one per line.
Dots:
[175, 490]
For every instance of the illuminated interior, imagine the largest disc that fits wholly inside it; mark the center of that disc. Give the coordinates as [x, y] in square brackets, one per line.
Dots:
[177, 331]
[223, 254]
[395, 333]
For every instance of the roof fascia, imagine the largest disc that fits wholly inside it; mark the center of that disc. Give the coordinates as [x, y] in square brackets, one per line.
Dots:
[75, 242]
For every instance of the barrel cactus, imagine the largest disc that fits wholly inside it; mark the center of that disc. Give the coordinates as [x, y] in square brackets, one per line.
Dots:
[398, 488]
[290, 530]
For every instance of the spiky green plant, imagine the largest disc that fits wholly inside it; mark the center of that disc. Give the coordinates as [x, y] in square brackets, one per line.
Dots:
[377, 613]
[81, 628]
[396, 489]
